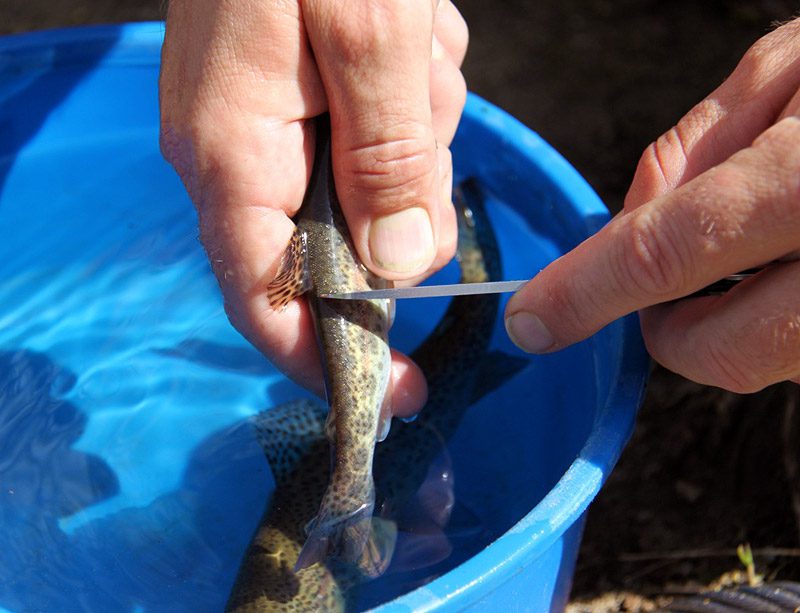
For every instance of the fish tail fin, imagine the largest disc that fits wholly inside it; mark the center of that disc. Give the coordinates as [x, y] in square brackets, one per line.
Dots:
[356, 538]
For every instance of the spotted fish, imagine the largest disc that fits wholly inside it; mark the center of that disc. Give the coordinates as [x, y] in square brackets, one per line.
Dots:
[353, 341]
[454, 358]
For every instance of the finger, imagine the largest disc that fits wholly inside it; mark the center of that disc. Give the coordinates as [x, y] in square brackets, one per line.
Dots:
[742, 341]
[375, 59]
[286, 336]
[793, 108]
[448, 94]
[233, 108]
[409, 388]
[741, 214]
[450, 29]
[245, 245]
[448, 238]
[448, 235]
[448, 89]
[297, 356]
[728, 120]
[233, 100]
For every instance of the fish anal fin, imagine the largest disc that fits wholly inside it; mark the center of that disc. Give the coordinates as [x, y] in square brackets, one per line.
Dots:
[359, 540]
[293, 278]
[379, 550]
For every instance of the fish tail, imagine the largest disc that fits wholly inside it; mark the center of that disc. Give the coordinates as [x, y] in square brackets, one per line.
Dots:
[355, 537]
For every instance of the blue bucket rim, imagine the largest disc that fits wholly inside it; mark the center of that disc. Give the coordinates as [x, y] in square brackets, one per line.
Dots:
[139, 43]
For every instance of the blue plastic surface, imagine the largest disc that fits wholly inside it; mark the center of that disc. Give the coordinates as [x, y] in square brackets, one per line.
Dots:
[128, 477]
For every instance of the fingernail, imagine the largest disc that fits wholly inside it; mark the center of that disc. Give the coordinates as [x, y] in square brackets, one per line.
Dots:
[528, 332]
[410, 419]
[402, 241]
[384, 427]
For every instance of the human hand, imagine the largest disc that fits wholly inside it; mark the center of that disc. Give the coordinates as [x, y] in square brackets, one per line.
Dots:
[717, 194]
[240, 82]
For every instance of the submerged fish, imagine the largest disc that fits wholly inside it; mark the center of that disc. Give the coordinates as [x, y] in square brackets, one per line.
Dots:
[454, 359]
[353, 341]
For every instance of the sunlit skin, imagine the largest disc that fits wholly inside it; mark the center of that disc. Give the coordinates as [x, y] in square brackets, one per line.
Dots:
[240, 81]
[716, 194]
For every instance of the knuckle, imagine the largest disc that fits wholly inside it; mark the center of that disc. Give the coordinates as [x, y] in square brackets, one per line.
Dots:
[765, 59]
[766, 350]
[730, 369]
[670, 153]
[757, 63]
[653, 261]
[400, 167]
[661, 165]
[451, 27]
[776, 345]
[785, 338]
[364, 29]
[461, 35]
[781, 145]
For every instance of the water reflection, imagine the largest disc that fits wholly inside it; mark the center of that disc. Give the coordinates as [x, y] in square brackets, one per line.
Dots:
[169, 555]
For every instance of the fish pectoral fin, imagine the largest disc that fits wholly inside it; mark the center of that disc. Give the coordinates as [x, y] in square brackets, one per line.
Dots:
[293, 278]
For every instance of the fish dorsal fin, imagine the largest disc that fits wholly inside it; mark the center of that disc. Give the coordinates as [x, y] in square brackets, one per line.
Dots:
[293, 278]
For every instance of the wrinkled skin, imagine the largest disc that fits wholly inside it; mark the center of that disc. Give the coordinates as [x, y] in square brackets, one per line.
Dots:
[715, 195]
[241, 81]
[294, 443]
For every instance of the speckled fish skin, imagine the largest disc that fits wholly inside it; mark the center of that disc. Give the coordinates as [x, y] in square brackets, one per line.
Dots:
[353, 340]
[450, 358]
[293, 438]
[296, 449]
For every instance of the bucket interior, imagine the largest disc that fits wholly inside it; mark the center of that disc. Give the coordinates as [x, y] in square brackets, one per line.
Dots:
[130, 473]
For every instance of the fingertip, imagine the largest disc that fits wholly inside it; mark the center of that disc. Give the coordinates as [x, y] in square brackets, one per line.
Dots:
[401, 243]
[409, 387]
[527, 331]
[548, 312]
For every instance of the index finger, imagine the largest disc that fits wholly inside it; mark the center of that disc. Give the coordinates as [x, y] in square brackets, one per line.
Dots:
[737, 215]
[375, 61]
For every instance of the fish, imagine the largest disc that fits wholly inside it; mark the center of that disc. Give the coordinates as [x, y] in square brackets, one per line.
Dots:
[459, 369]
[353, 342]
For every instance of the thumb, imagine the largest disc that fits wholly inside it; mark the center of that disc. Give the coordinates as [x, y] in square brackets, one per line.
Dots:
[374, 58]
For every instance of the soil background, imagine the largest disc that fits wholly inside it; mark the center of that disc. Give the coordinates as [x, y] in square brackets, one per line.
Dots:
[705, 470]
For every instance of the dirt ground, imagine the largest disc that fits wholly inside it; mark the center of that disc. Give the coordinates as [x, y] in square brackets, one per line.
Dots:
[705, 470]
[599, 79]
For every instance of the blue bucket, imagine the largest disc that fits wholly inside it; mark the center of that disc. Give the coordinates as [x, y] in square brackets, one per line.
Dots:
[128, 477]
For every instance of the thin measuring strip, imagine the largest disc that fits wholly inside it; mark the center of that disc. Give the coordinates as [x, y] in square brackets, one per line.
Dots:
[432, 291]
[500, 287]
